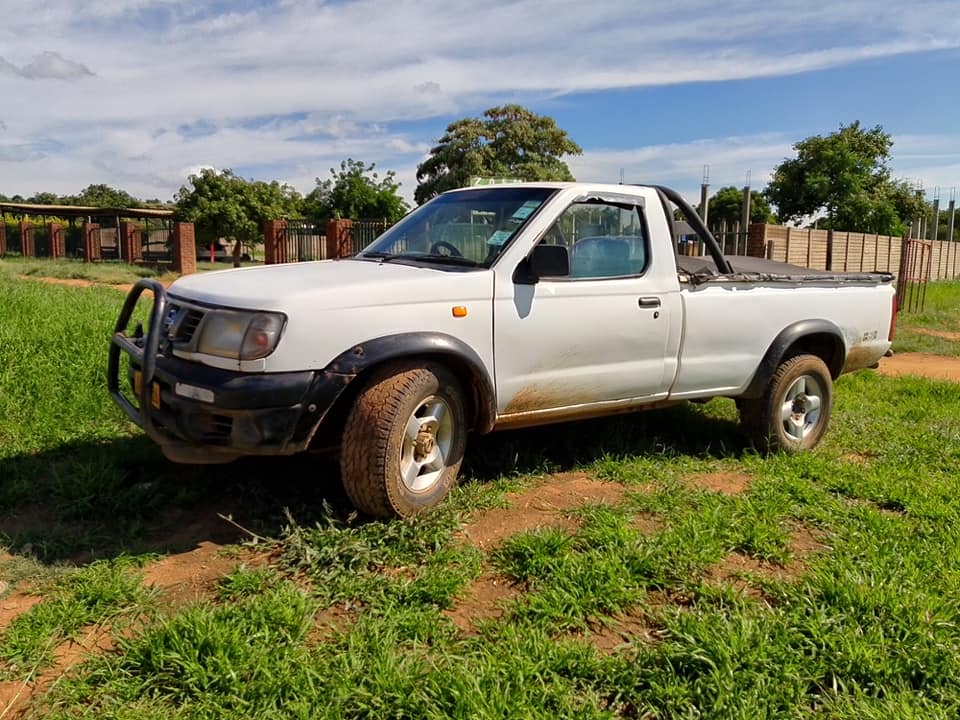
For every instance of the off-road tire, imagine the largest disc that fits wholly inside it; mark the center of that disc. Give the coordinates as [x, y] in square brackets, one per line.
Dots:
[374, 436]
[763, 418]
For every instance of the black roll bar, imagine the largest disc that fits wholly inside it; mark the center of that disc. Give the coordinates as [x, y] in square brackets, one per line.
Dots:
[144, 351]
[697, 224]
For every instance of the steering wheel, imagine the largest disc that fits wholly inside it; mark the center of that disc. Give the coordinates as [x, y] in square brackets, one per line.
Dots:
[452, 250]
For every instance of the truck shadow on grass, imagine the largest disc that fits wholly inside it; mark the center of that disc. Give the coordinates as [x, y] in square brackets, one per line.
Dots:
[85, 501]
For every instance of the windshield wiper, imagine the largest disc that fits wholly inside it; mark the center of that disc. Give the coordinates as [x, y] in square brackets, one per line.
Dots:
[439, 259]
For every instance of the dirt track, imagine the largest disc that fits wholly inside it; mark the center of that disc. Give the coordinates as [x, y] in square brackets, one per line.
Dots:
[935, 367]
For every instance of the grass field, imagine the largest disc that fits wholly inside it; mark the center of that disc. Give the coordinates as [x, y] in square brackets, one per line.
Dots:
[643, 566]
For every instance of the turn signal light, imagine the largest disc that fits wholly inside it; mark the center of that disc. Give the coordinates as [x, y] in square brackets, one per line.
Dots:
[459, 311]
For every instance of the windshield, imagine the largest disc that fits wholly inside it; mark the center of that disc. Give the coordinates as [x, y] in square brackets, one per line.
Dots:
[466, 229]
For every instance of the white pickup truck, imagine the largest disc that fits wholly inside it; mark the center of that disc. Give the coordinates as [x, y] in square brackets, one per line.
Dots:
[485, 309]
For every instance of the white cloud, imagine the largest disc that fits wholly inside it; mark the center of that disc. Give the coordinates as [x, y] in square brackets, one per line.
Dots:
[293, 87]
[47, 66]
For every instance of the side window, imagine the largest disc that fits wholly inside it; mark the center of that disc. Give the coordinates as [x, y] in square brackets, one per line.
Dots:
[604, 240]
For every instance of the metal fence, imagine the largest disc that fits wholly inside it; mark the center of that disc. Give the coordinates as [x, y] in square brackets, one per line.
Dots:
[304, 241]
[156, 242]
[364, 232]
[914, 274]
[14, 241]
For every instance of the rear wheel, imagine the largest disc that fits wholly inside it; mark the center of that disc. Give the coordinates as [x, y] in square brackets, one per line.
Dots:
[404, 440]
[794, 412]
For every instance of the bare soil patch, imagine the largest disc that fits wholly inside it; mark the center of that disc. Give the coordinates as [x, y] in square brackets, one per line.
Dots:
[737, 568]
[728, 483]
[945, 334]
[621, 631]
[483, 599]
[190, 576]
[542, 506]
[934, 367]
[647, 522]
[15, 605]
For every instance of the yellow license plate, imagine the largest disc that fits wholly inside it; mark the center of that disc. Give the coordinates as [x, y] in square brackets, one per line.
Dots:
[138, 386]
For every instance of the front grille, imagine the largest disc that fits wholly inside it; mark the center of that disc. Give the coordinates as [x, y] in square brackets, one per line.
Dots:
[181, 323]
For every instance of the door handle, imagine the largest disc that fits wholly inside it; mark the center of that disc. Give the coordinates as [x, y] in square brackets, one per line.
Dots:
[649, 302]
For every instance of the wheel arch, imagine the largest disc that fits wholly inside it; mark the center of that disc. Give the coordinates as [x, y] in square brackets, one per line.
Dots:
[360, 362]
[818, 337]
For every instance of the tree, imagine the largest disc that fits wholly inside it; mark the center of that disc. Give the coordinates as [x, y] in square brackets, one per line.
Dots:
[843, 175]
[509, 141]
[356, 191]
[222, 205]
[104, 196]
[727, 205]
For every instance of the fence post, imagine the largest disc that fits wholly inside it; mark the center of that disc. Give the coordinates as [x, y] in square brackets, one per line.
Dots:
[132, 250]
[91, 242]
[27, 247]
[184, 248]
[274, 245]
[3, 237]
[58, 247]
[339, 242]
[757, 240]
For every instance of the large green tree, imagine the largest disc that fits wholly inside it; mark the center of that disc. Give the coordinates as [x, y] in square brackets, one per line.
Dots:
[508, 141]
[101, 195]
[221, 204]
[727, 205]
[842, 179]
[356, 191]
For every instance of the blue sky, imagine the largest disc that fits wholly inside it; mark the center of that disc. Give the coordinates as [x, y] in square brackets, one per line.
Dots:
[140, 93]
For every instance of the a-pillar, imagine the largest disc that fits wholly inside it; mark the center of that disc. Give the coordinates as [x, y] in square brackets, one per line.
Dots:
[58, 245]
[129, 238]
[27, 246]
[274, 242]
[184, 248]
[91, 242]
[339, 238]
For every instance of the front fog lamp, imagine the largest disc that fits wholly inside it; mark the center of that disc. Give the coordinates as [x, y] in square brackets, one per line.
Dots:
[261, 336]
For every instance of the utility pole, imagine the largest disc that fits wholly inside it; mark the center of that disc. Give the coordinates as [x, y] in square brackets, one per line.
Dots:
[704, 193]
[744, 217]
[952, 209]
[934, 226]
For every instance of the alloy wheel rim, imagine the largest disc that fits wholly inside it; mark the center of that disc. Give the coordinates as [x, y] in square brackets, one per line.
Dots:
[428, 437]
[801, 408]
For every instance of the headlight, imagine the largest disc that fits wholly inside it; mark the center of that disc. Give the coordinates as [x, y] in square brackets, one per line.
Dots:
[240, 335]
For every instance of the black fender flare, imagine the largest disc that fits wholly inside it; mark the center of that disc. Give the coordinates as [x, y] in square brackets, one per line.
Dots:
[817, 336]
[462, 359]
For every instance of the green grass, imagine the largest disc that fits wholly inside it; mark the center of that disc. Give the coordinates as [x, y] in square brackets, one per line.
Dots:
[106, 273]
[350, 619]
[941, 312]
[92, 595]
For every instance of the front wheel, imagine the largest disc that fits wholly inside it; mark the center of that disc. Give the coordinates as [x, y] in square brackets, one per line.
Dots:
[794, 412]
[404, 440]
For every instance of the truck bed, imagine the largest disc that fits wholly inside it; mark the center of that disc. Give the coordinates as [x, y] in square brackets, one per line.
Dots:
[699, 270]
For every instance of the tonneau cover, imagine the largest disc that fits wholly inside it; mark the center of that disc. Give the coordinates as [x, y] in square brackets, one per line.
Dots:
[699, 270]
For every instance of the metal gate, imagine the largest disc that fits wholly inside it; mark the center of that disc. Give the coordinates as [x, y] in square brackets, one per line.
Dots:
[915, 266]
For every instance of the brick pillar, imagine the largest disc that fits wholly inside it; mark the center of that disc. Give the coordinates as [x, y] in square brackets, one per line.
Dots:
[27, 247]
[3, 237]
[58, 245]
[339, 238]
[130, 242]
[91, 242]
[184, 248]
[757, 240]
[274, 242]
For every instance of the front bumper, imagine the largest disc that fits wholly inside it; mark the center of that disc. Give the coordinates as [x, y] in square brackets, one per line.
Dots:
[198, 413]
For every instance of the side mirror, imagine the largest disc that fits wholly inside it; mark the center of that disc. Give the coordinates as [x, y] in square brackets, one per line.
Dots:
[544, 261]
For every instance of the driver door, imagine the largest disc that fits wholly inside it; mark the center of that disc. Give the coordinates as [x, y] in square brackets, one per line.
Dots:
[607, 332]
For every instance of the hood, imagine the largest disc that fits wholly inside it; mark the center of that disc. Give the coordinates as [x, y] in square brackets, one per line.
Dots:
[335, 284]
